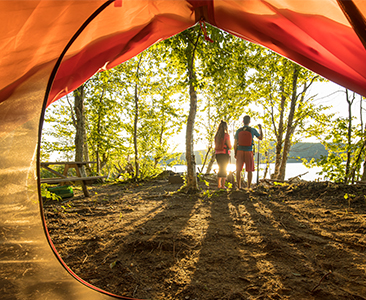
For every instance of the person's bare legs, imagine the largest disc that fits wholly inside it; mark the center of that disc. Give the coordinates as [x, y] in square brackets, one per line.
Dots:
[250, 176]
[219, 182]
[238, 178]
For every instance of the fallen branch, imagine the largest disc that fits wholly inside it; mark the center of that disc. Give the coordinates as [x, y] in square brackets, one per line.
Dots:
[297, 176]
[134, 292]
[312, 291]
[85, 258]
[271, 180]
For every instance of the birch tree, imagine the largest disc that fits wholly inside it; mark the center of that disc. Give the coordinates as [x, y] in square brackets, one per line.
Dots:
[281, 88]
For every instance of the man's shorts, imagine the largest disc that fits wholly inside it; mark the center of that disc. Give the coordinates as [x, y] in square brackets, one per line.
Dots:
[244, 157]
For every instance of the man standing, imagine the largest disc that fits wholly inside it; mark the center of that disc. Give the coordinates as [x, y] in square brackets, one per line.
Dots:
[243, 147]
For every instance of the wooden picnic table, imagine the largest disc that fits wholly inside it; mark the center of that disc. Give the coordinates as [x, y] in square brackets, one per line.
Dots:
[64, 177]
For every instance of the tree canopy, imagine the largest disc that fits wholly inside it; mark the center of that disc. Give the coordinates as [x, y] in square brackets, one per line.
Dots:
[192, 80]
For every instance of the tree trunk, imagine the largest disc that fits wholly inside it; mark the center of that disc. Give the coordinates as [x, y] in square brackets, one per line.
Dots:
[279, 135]
[137, 165]
[267, 162]
[98, 159]
[86, 155]
[290, 128]
[361, 119]
[190, 158]
[363, 178]
[192, 185]
[356, 164]
[211, 162]
[99, 130]
[349, 136]
[79, 125]
[135, 134]
[158, 156]
[207, 154]
[285, 152]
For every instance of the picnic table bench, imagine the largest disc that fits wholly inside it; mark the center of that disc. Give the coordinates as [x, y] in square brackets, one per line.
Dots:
[63, 177]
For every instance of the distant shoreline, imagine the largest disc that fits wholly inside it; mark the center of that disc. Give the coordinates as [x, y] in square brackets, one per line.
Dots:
[298, 152]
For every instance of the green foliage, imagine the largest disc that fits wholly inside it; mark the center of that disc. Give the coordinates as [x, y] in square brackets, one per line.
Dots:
[202, 179]
[280, 88]
[58, 168]
[232, 78]
[103, 114]
[349, 196]
[224, 67]
[280, 183]
[333, 165]
[59, 134]
[207, 194]
[109, 112]
[46, 194]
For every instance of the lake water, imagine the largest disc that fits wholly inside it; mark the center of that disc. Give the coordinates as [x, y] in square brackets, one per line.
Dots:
[292, 170]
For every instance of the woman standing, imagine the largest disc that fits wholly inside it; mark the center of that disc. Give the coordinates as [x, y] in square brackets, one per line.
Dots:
[222, 151]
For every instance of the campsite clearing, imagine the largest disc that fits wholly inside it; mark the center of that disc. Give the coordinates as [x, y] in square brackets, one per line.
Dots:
[149, 241]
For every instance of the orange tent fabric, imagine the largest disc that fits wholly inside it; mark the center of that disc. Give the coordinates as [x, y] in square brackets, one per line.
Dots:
[313, 33]
[50, 47]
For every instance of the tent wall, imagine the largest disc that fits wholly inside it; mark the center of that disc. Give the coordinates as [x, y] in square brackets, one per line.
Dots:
[28, 267]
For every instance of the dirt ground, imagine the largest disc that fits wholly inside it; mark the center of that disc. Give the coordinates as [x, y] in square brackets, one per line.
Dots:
[151, 241]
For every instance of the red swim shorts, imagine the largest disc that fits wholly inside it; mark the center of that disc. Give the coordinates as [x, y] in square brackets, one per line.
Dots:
[244, 157]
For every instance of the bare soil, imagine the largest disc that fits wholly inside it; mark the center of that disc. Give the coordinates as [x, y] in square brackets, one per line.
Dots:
[150, 241]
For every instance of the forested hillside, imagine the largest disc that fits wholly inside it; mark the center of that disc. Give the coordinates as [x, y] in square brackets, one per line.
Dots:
[306, 150]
